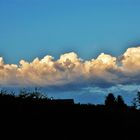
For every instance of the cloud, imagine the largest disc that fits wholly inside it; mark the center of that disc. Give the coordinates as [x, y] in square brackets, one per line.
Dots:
[71, 71]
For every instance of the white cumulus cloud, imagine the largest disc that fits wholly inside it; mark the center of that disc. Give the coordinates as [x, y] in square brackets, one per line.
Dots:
[70, 69]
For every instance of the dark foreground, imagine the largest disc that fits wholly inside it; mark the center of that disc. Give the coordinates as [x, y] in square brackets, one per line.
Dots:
[62, 119]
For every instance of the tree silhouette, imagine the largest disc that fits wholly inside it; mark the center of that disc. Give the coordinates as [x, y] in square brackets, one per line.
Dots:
[35, 94]
[134, 103]
[110, 100]
[23, 93]
[138, 98]
[120, 102]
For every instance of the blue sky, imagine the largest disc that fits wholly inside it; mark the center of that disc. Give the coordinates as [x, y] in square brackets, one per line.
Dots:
[30, 28]
[36, 28]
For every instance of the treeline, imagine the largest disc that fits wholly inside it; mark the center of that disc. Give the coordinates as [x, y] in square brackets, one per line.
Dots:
[37, 97]
[112, 101]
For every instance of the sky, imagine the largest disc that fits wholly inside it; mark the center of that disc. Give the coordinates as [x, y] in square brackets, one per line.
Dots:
[99, 38]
